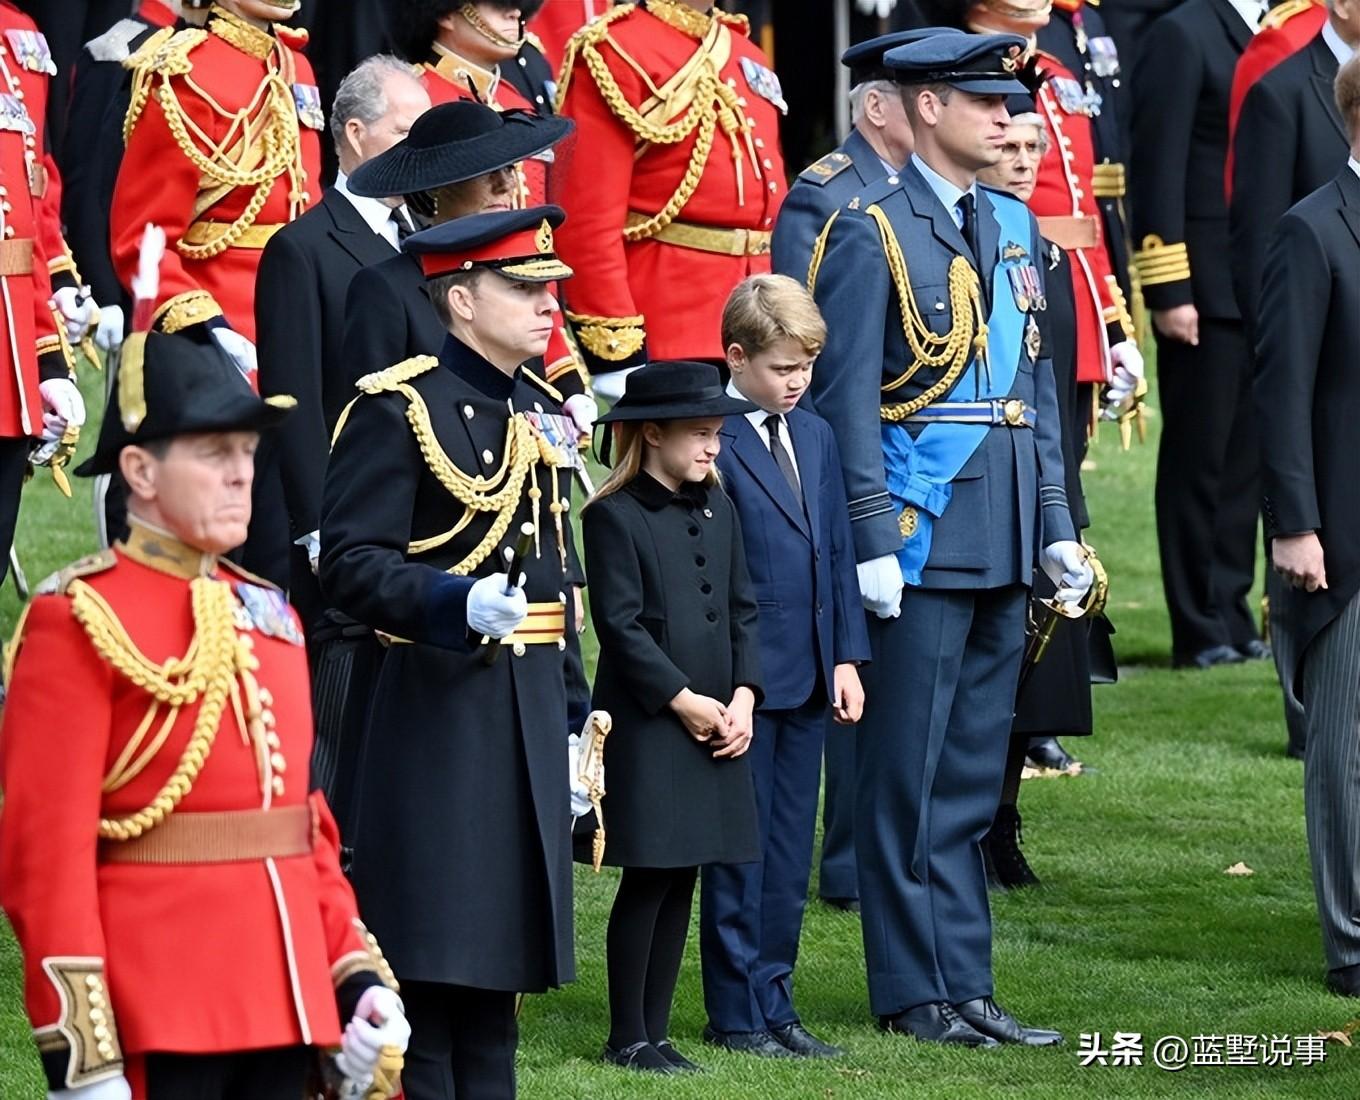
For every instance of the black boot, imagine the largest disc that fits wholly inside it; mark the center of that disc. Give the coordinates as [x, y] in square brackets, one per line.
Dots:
[1046, 752]
[1007, 868]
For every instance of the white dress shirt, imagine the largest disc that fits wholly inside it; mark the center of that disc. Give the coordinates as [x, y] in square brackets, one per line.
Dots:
[376, 213]
[1250, 11]
[948, 193]
[758, 417]
[1342, 51]
[1355, 165]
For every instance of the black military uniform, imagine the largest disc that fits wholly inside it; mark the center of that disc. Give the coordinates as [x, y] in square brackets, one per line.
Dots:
[462, 840]
[1208, 468]
[531, 72]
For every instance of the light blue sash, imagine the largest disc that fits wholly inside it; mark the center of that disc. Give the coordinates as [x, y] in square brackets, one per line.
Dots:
[920, 471]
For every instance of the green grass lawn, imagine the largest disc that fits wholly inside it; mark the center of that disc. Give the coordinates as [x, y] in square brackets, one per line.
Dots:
[1136, 927]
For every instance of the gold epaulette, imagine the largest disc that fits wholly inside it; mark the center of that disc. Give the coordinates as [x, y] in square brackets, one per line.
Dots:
[60, 581]
[384, 381]
[592, 34]
[612, 339]
[295, 38]
[1278, 16]
[1158, 262]
[535, 42]
[165, 53]
[246, 575]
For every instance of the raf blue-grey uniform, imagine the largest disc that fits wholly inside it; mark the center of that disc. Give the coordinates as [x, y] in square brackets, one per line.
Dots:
[941, 689]
[820, 190]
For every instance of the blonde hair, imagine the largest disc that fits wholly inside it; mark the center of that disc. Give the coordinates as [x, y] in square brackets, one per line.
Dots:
[1347, 91]
[765, 309]
[628, 451]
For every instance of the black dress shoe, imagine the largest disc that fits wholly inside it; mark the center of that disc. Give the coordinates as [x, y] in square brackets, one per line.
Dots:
[760, 1043]
[845, 905]
[937, 1022]
[1254, 650]
[984, 1015]
[1045, 752]
[676, 1059]
[640, 1057]
[797, 1039]
[1345, 981]
[1208, 658]
[1007, 868]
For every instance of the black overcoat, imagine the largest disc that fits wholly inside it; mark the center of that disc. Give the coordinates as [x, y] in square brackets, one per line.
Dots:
[673, 607]
[462, 830]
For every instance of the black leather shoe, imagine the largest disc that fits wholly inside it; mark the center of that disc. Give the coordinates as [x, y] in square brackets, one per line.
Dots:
[1345, 981]
[984, 1015]
[1209, 658]
[798, 1040]
[1254, 650]
[937, 1022]
[1007, 868]
[1045, 752]
[681, 1064]
[760, 1043]
[845, 905]
[640, 1057]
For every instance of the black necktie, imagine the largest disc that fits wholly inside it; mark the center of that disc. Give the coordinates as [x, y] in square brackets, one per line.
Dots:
[404, 229]
[781, 455]
[969, 226]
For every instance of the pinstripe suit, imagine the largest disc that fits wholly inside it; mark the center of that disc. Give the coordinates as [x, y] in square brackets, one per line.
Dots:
[1309, 402]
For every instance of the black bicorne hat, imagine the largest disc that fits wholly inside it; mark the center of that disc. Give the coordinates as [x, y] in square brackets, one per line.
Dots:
[177, 384]
[454, 142]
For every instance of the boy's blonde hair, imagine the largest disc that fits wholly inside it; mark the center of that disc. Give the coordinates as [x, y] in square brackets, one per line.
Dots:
[765, 309]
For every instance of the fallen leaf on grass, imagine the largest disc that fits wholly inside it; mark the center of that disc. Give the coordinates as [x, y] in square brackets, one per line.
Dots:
[1073, 769]
[1239, 868]
[1336, 1036]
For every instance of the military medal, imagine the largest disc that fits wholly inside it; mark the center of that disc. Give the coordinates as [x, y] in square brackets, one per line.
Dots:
[268, 612]
[1019, 288]
[14, 115]
[1033, 341]
[909, 522]
[307, 99]
[1073, 98]
[30, 49]
[1104, 56]
[764, 82]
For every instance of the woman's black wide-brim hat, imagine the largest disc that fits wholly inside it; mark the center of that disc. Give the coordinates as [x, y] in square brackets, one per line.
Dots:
[454, 142]
[674, 390]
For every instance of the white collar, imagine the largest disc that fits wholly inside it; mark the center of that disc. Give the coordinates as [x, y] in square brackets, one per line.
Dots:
[946, 191]
[376, 213]
[1338, 47]
[1250, 11]
[757, 416]
[1355, 165]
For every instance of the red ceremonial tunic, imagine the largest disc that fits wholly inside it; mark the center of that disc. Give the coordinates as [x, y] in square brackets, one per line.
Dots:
[31, 347]
[558, 20]
[1285, 30]
[1064, 189]
[676, 74]
[213, 111]
[194, 957]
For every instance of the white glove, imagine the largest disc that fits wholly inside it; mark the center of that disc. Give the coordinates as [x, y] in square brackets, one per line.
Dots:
[111, 1088]
[610, 385]
[491, 612]
[112, 327]
[379, 1021]
[62, 407]
[240, 350]
[880, 586]
[1127, 361]
[1067, 567]
[582, 409]
[77, 310]
[580, 793]
[880, 8]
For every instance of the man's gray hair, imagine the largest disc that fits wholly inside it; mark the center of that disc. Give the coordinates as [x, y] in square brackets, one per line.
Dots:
[860, 92]
[361, 93]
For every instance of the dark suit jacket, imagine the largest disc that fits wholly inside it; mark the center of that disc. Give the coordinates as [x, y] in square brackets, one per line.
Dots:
[1180, 146]
[388, 317]
[1308, 393]
[800, 554]
[819, 191]
[304, 275]
[1289, 142]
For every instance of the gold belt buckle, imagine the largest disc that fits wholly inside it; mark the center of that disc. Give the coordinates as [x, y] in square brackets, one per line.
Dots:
[1014, 412]
[741, 242]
